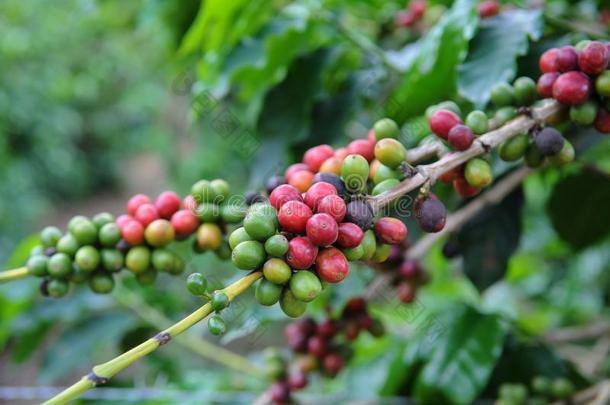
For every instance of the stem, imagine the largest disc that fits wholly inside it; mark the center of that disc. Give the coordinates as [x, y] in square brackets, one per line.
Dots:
[429, 173]
[592, 29]
[103, 372]
[201, 347]
[15, 274]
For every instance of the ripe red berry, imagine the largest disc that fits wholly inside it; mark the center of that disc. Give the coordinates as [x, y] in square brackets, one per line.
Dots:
[463, 188]
[333, 363]
[334, 206]
[409, 269]
[545, 84]
[296, 337]
[572, 88]
[327, 329]
[318, 191]
[405, 18]
[282, 194]
[488, 8]
[167, 204]
[567, 59]
[293, 216]
[294, 168]
[297, 380]
[602, 121]
[135, 201]
[354, 306]
[441, 121]
[279, 392]
[316, 346]
[184, 222]
[301, 253]
[146, 213]
[406, 292]
[548, 61]
[190, 204]
[331, 265]
[431, 215]
[133, 232]
[350, 235]
[351, 330]
[362, 147]
[391, 230]
[315, 156]
[460, 137]
[593, 58]
[418, 8]
[452, 174]
[123, 219]
[322, 229]
[342, 153]
[365, 321]
[301, 180]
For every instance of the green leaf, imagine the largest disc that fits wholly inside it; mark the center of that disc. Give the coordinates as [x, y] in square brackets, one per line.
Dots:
[492, 58]
[432, 76]
[463, 359]
[577, 206]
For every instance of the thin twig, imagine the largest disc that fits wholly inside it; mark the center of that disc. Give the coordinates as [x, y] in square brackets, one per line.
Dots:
[576, 333]
[15, 274]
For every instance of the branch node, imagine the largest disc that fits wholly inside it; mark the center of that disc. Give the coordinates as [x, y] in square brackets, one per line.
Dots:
[407, 169]
[525, 110]
[486, 147]
[163, 338]
[96, 379]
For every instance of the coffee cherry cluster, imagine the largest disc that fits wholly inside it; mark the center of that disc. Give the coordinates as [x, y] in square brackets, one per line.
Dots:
[197, 285]
[579, 77]
[320, 346]
[543, 390]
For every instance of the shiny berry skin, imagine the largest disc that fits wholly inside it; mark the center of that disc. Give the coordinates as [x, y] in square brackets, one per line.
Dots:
[315, 156]
[593, 58]
[391, 230]
[146, 213]
[331, 265]
[290, 305]
[159, 233]
[406, 292]
[460, 137]
[390, 152]
[572, 88]
[478, 122]
[478, 173]
[123, 219]
[334, 206]
[216, 325]
[294, 168]
[133, 232]
[209, 236]
[293, 216]
[277, 271]
[305, 286]
[362, 147]
[441, 121]
[567, 59]
[318, 191]
[184, 222]
[282, 194]
[333, 363]
[280, 393]
[549, 141]
[316, 346]
[355, 173]
[301, 180]
[135, 201]
[322, 229]
[350, 235]
[301, 253]
[297, 380]
[248, 255]
[488, 8]
[431, 215]
[548, 61]
[409, 269]
[602, 121]
[545, 84]
[359, 212]
[167, 204]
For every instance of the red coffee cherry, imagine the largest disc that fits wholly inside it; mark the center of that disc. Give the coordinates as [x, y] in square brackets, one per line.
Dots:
[365, 321]
[301, 253]
[279, 392]
[123, 219]
[567, 59]
[548, 61]
[294, 168]
[341, 153]
[333, 363]
[350, 235]
[133, 232]
[316, 346]
[334, 206]
[184, 222]
[545, 84]
[405, 18]
[296, 337]
[297, 380]
[351, 330]
[441, 121]
[331, 265]
[593, 58]
[146, 213]
[315, 156]
[293, 216]
[418, 8]
[282, 194]
[572, 88]
[318, 191]
[431, 215]
[464, 189]
[322, 229]
[327, 329]
[460, 137]
[452, 174]
[391, 230]
[602, 121]
[355, 305]
[409, 269]
[167, 204]
[488, 8]
[190, 204]
[301, 180]
[406, 292]
[135, 201]
[362, 147]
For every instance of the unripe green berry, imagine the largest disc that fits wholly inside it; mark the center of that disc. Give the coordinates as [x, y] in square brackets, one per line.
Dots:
[197, 284]
[138, 259]
[179, 265]
[385, 186]
[385, 173]
[386, 128]
[525, 90]
[87, 258]
[216, 325]
[202, 191]
[49, 236]
[277, 271]
[602, 84]
[267, 293]
[37, 250]
[58, 288]
[514, 148]
[305, 285]
[584, 114]
[37, 265]
[109, 234]
[477, 173]
[355, 173]
[232, 213]
[219, 301]
[101, 283]
[67, 244]
[261, 221]
[78, 275]
[478, 122]
[565, 156]
[276, 246]
[59, 265]
[354, 254]
[207, 212]
[248, 255]
[163, 260]
[390, 153]
[533, 158]
[113, 260]
[582, 44]
[541, 385]
[502, 95]
[505, 114]
[220, 189]
[382, 252]
[562, 388]
[238, 236]
[101, 219]
[147, 278]
[291, 306]
[369, 244]
[84, 231]
[224, 251]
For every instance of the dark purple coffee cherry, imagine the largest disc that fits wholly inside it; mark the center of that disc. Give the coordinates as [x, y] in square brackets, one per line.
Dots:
[274, 182]
[431, 214]
[253, 197]
[279, 392]
[359, 212]
[549, 141]
[333, 179]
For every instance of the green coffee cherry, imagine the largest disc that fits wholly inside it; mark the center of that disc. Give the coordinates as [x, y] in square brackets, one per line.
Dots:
[197, 284]
[478, 122]
[565, 156]
[37, 265]
[584, 114]
[390, 153]
[219, 301]
[220, 189]
[354, 254]
[138, 259]
[582, 44]
[291, 306]
[101, 283]
[37, 250]
[386, 128]
[75, 220]
[102, 219]
[533, 157]
[85, 232]
[305, 285]
[514, 148]
[163, 260]
[277, 271]
[355, 173]
[67, 244]
[602, 83]
[113, 260]
[477, 173]
[78, 275]
[276, 246]
[232, 213]
[369, 245]
[109, 234]
[224, 251]
[58, 288]
[382, 252]
[49, 236]
[541, 385]
[147, 278]
[562, 388]
[216, 325]
[502, 95]
[59, 265]
[179, 265]
[385, 186]
[248, 255]
[207, 212]
[267, 293]
[238, 236]
[525, 90]
[87, 258]
[505, 114]
[261, 221]
[202, 191]
[384, 173]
